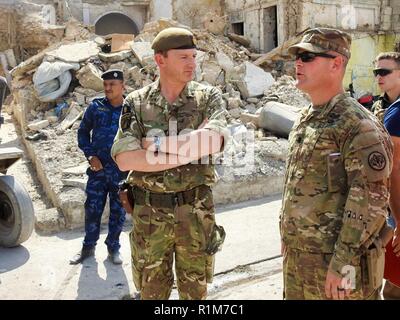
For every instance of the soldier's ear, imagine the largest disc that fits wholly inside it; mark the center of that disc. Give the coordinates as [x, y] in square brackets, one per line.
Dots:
[159, 59]
[338, 63]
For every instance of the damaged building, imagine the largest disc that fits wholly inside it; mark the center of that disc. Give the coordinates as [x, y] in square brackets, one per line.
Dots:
[266, 24]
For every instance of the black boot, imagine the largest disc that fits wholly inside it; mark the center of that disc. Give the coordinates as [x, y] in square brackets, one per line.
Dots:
[114, 257]
[81, 256]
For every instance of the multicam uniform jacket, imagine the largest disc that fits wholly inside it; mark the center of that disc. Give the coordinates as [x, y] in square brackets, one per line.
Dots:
[146, 110]
[336, 185]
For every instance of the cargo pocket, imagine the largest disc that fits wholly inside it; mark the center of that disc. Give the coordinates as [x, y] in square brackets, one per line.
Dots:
[139, 240]
[373, 264]
[308, 160]
[204, 214]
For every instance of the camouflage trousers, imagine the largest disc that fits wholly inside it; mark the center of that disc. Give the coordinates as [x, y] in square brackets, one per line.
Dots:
[304, 276]
[161, 236]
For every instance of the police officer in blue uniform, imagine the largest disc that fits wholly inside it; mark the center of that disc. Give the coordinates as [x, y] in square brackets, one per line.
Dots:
[95, 138]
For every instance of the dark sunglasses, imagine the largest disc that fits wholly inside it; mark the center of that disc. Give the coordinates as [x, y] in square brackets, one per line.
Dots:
[310, 56]
[382, 72]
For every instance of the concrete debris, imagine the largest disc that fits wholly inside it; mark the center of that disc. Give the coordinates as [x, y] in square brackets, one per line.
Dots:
[75, 31]
[279, 53]
[74, 113]
[144, 52]
[212, 72]
[49, 221]
[90, 77]
[284, 91]
[151, 29]
[277, 118]
[224, 61]
[239, 39]
[115, 56]
[252, 80]
[37, 125]
[12, 62]
[77, 171]
[76, 52]
[78, 183]
[35, 34]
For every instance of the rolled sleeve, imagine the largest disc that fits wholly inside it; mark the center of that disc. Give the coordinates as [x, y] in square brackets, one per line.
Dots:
[128, 137]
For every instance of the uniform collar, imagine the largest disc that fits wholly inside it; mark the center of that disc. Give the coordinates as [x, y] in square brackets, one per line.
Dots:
[155, 92]
[108, 104]
[324, 110]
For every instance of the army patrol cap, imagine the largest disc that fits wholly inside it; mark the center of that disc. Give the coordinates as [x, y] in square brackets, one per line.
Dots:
[321, 40]
[113, 74]
[173, 38]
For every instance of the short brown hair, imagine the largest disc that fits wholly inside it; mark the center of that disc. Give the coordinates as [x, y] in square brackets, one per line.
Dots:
[163, 53]
[395, 56]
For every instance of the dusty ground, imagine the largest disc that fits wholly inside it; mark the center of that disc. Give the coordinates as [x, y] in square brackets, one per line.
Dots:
[248, 267]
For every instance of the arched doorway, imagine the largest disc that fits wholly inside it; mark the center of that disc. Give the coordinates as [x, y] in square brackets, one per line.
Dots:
[115, 22]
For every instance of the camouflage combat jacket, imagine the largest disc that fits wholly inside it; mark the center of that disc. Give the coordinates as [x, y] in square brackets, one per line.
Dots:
[380, 106]
[336, 184]
[146, 109]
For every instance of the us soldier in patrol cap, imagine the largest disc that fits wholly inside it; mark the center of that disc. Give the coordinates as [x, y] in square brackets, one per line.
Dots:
[337, 181]
[95, 138]
[164, 127]
[387, 109]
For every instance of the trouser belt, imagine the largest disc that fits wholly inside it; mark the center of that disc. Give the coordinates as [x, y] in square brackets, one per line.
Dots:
[169, 200]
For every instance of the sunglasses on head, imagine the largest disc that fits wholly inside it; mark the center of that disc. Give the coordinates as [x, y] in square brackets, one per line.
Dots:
[307, 56]
[382, 72]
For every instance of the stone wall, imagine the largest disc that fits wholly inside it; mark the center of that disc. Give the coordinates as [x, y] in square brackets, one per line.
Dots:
[395, 5]
[360, 15]
[254, 16]
[192, 13]
[294, 16]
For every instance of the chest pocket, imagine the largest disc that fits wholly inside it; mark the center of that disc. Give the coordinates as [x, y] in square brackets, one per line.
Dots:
[307, 141]
[103, 119]
[189, 116]
[152, 119]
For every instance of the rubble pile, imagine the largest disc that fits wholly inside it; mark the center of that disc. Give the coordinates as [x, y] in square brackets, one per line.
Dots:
[52, 89]
[285, 91]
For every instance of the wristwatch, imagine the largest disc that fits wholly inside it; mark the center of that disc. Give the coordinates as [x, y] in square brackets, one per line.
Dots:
[157, 143]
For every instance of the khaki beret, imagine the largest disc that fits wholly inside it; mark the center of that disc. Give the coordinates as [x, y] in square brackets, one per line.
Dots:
[321, 40]
[173, 38]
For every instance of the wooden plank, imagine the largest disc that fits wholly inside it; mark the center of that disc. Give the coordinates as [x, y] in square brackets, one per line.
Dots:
[280, 51]
[10, 153]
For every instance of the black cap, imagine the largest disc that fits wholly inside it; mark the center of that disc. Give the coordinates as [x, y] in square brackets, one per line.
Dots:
[113, 74]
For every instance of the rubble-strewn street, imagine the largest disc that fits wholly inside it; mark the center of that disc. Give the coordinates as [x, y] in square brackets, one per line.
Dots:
[53, 54]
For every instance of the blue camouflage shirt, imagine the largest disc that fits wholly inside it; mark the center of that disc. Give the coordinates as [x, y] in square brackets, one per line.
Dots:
[98, 128]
